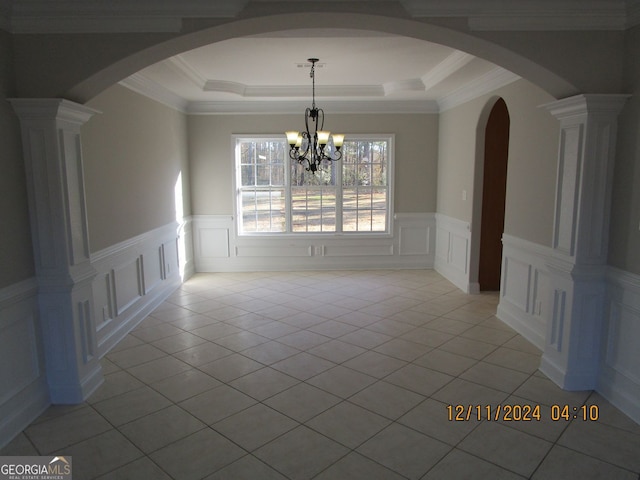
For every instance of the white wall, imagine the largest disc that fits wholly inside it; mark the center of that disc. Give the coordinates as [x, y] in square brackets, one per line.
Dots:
[212, 161]
[138, 204]
[135, 153]
[624, 240]
[531, 177]
[531, 171]
[16, 257]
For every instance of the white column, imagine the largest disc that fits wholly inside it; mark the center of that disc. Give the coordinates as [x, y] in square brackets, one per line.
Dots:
[53, 161]
[580, 238]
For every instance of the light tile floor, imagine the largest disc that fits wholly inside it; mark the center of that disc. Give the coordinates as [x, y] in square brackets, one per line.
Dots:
[328, 375]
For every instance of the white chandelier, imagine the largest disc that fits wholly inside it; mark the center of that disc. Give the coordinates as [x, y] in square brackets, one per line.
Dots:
[309, 147]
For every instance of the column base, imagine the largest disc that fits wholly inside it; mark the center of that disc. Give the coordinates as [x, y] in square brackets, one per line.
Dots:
[74, 393]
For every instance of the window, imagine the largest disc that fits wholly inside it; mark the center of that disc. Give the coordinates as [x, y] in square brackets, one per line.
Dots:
[277, 195]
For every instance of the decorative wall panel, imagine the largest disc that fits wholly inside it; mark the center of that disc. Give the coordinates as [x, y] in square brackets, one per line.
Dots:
[24, 393]
[619, 376]
[132, 279]
[524, 295]
[452, 252]
[217, 247]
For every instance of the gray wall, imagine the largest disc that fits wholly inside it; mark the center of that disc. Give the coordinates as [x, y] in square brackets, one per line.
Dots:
[212, 161]
[16, 257]
[531, 173]
[624, 242]
[134, 153]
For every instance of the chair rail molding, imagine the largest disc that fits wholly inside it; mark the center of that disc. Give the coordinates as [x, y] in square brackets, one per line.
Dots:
[577, 268]
[57, 209]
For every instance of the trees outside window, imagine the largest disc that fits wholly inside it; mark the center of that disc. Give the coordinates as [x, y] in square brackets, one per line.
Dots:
[277, 195]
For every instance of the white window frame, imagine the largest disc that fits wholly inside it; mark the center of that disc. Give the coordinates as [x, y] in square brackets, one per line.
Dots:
[389, 138]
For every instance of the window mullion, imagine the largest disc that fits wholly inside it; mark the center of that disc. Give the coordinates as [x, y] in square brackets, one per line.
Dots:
[288, 204]
[338, 192]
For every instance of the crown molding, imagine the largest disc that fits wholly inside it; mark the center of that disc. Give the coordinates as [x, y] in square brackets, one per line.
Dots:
[532, 23]
[117, 16]
[490, 81]
[410, 85]
[528, 15]
[301, 91]
[335, 107]
[446, 68]
[142, 85]
[94, 24]
[123, 16]
[184, 68]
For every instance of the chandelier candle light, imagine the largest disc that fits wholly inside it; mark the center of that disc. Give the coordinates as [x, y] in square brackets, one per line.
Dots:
[309, 148]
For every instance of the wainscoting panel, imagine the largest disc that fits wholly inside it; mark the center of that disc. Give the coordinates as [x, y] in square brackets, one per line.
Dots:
[453, 243]
[218, 248]
[619, 379]
[132, 279]
[524, 295]
[128, 287]
[416, 234]
[516, 282]
[152, 269]
[24, 393]
[359, 250]
[268, 251]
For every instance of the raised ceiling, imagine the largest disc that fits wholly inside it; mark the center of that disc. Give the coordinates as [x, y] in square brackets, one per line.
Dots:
[359, 71]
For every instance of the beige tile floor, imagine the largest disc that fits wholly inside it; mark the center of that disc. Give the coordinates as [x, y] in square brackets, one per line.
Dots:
[327, 375]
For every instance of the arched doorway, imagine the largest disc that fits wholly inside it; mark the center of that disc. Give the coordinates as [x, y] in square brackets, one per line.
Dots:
[494, 188]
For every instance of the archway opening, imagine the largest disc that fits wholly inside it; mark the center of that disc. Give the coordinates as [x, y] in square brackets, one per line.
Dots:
[494, 189]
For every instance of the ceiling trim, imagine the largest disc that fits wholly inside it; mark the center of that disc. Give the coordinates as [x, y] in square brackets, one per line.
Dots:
[298, 107]
[94, 24]
[150, 89]
[446, 68]
[184, 68]
[532, 23]
[528, 15]
[490, 81]
[98, 16]
[253, 91]
[487, 83]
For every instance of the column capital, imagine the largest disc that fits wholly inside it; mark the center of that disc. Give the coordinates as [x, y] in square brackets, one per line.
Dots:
[587, 103]
[52, 108]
